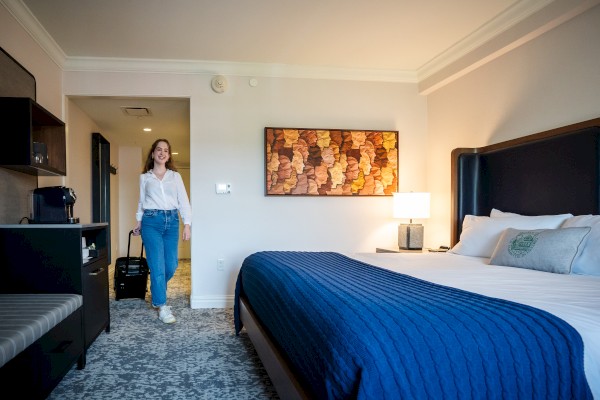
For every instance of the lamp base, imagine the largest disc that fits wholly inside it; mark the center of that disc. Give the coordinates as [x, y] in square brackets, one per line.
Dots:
[410, 236]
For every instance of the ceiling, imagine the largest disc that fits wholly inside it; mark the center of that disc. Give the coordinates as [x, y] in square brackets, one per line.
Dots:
[382, 36]
[379, 34]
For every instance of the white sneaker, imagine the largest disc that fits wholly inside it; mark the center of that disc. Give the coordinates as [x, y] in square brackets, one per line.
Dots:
[165, 315]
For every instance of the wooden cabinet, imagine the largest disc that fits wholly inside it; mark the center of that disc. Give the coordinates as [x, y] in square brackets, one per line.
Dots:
[33, 138]
[48, 259]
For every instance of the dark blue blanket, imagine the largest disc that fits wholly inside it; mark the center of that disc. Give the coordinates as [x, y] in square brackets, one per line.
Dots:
[352, 330]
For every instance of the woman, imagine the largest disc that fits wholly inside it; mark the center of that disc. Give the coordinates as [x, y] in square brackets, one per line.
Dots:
[162, 196]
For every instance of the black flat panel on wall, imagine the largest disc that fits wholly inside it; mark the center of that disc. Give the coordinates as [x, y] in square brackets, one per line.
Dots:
[15, 80]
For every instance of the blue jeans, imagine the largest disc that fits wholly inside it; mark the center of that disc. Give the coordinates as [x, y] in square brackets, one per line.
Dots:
[160, 235]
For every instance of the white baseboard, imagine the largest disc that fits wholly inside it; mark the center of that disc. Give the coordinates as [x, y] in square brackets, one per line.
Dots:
[212, 301]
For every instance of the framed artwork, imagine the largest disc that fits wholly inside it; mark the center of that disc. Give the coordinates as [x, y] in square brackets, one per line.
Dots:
[330, 162]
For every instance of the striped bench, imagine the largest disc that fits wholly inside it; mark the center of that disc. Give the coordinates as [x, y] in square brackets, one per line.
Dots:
[24, 318]
[41, 337]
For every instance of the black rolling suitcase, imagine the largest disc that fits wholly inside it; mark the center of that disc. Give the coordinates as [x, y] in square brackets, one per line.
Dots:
[131, 275]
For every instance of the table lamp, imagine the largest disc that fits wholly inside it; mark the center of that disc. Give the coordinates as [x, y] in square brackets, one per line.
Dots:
[411, 205]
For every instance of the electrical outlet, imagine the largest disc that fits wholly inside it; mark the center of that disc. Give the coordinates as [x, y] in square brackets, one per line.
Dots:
[220, 264]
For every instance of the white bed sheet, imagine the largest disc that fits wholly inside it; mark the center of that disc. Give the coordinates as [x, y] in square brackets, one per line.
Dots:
[573, 298]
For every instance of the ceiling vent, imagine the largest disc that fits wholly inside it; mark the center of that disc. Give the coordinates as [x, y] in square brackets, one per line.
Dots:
[136, 111]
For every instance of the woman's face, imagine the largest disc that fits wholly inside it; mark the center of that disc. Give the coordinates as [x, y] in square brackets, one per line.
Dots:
[161, 153]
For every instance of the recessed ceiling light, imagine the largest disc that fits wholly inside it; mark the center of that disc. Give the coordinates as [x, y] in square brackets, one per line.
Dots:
[147, 129]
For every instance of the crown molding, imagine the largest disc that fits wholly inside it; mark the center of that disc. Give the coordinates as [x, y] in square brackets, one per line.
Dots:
[105, 64]
[504, 21]
[30, 23]
[522, 24]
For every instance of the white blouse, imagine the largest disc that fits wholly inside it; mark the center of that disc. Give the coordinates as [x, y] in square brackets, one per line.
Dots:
[166, 194]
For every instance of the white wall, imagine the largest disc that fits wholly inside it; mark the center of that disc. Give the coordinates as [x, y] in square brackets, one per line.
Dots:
[233, 226]
[79, 133]
[227, 145]
[549, 82]
[130, 166]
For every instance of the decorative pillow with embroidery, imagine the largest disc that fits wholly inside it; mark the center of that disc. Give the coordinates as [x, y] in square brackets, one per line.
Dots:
[480, 234]
[549, 250]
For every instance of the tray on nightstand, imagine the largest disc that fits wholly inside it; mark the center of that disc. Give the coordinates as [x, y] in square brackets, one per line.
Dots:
[395, 250]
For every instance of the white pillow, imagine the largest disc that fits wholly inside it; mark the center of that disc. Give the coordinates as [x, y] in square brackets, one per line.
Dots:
[588, 261]
[480, 234]
[549, 250]
[495, 213]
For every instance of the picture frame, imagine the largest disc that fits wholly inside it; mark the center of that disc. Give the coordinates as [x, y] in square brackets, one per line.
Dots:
[330, 162]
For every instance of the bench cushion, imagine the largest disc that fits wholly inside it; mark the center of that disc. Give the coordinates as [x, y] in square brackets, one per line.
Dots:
[24, 318]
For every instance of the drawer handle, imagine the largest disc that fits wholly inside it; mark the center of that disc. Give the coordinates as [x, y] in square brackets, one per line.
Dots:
[62, 347]
[97, 272]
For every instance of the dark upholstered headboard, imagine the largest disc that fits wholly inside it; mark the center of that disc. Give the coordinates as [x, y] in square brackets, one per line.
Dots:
[551, 172]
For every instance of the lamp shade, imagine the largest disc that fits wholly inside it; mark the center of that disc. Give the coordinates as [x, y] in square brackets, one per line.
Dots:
[411, 205]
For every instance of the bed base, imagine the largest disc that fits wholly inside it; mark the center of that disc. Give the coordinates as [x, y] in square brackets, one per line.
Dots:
[279, 370]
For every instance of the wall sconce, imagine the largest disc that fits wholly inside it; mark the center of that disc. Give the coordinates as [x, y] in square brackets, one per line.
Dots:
[408, 206]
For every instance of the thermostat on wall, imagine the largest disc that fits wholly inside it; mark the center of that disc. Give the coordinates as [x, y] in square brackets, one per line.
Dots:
[223, 188]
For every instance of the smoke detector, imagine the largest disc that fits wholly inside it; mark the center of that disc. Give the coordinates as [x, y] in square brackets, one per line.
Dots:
[136, 111]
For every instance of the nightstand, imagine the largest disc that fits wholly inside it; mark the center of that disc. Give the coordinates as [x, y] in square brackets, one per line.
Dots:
[397, 250]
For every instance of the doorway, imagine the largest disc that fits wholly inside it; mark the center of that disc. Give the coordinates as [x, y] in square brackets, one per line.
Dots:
[121, 121]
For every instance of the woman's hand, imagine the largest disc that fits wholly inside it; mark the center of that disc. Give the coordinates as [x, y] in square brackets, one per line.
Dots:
[137, 229]
[187, 232]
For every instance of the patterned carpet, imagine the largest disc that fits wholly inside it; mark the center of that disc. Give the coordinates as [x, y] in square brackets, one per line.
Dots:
[198, 357]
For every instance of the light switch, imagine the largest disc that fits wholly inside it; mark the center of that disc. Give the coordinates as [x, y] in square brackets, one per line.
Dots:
[223, 188]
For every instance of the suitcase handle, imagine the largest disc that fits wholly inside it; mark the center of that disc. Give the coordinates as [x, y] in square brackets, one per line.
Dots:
[128, 248]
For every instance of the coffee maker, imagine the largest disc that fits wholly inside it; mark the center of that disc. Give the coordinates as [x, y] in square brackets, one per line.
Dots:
[52, 205]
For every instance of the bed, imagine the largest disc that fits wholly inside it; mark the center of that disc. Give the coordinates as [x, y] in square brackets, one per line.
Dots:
[511, 311]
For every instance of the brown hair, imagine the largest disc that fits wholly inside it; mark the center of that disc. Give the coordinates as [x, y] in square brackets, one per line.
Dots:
[150, 161]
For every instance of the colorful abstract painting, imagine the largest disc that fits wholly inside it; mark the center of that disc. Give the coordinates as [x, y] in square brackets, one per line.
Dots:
[331, 162]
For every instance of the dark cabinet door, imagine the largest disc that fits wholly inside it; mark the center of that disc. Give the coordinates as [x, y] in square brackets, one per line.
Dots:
[95, 287]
